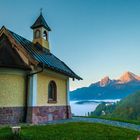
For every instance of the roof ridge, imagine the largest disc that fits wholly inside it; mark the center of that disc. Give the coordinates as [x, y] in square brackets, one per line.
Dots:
[48, 58]
[46, 50]
[20, 36]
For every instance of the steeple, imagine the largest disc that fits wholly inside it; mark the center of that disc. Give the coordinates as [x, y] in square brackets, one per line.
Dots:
[41, 31]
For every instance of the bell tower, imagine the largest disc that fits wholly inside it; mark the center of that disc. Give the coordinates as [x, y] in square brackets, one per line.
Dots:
[41, 31]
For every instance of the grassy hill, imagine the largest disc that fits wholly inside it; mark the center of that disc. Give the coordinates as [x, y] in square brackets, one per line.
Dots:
[71, 131]
[128, 108]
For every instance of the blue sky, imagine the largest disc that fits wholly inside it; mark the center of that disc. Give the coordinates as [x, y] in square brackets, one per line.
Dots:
[94, 37]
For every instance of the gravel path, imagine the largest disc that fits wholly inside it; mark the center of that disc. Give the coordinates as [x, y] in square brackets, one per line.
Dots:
[109, 122]
[102, 121]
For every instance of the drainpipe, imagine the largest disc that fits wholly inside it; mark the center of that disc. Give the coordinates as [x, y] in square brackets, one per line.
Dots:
[26, 97]
[27, 90]
[67, 99]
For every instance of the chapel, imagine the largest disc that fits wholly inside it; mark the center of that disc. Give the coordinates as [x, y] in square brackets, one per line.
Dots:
[34, 83]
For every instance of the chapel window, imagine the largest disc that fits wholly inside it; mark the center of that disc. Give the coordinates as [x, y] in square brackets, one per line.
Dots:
[52, 92]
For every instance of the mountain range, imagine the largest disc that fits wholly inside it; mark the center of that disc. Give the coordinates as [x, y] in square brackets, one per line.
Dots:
[109, 89]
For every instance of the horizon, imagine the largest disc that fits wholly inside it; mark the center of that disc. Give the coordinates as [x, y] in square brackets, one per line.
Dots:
[95, 38]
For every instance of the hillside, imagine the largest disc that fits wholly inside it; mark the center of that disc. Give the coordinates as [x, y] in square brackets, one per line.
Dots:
[109, 89]
[70, 131]
[127, 108]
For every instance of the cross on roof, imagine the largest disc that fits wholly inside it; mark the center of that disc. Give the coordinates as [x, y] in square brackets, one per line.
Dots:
[41, 9]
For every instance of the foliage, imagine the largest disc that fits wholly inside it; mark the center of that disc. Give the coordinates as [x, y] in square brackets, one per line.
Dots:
[103, 109]
[72, 131]
[127, 109]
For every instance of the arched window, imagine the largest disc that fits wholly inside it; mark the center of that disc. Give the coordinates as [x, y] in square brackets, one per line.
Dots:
[52, 92]
[37, 34]
[45, 35]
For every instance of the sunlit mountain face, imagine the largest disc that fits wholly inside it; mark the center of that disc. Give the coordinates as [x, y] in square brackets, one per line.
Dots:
[109, 89]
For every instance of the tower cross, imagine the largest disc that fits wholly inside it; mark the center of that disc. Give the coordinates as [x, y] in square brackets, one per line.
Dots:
[41, 9]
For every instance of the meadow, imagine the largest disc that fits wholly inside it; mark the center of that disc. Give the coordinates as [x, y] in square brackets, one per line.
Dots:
[70, 131]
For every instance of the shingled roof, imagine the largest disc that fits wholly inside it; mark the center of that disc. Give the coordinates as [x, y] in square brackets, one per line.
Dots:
[42, 55]
[40, 22]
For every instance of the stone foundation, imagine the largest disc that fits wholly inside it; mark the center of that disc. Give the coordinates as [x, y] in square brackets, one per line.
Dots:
[11, 115]
[35, 115]
[43, 114]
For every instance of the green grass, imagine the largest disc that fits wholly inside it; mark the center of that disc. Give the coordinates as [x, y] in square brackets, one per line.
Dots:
[5, 133]
[71, 131]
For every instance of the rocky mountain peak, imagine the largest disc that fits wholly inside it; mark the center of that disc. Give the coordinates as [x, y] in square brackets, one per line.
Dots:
[127, 84]
[128, 76]
[105, 81]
